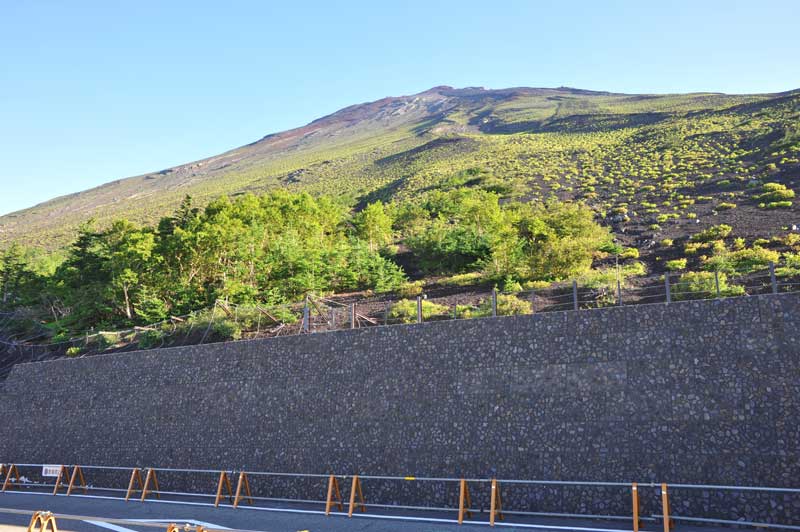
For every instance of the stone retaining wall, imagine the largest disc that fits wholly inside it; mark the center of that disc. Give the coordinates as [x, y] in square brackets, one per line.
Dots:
[692, 392]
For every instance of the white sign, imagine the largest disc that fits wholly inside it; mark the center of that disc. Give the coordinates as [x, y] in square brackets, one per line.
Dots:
[51, 470]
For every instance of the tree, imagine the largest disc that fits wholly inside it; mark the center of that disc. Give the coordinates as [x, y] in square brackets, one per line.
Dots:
[374, 225]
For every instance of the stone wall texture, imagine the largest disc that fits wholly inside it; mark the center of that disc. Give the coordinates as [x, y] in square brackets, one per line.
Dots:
[692, 392]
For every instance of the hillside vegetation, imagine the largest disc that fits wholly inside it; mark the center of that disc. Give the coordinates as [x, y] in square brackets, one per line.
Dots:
[450, 186]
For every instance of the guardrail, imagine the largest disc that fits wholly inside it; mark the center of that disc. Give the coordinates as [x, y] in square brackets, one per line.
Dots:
[457, 495]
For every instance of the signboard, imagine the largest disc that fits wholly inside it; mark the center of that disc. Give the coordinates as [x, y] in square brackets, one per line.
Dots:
[51, 470]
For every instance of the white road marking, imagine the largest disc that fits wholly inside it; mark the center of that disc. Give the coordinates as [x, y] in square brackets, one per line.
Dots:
[181, 521]
[110, 526]
[117, 528]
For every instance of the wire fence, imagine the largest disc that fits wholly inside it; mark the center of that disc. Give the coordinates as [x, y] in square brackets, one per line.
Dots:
[317, 313]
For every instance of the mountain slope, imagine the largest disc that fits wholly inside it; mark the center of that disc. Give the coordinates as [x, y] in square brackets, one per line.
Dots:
[641, 160]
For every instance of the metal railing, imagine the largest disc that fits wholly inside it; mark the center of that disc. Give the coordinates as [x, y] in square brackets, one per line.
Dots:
[493, 499]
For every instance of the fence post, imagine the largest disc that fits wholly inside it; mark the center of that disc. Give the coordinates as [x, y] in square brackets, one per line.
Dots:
[352, 315]
[665, 508]
[772, 278]
[306, 316]
[635, 503]
[666, 285]
[716, 281]
[574, 295]
[419, 309]
[494, 301]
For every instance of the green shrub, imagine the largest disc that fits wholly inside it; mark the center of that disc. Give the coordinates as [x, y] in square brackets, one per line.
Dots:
[510, 305]
[675, 265]
[537, 285]
[742, 261]
[726, 206]
[462, 279]
[776, 205]
[150, 338]
[105, 340]
[701, 285]
[74, 351]
[791, 265]
[629, 253]
[405, 310]
[775, 192]
[507, 305]
[510, 285]
[410, 289]
[715, 232]
[666, 243]
[691, 248]
[223, 330]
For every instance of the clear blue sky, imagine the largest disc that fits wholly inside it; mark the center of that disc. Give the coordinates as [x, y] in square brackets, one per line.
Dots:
[95, 91]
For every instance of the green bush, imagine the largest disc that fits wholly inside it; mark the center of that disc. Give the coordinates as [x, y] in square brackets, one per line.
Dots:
[776, 205]
[463, 279]
[150, 338]
[715, 232]
[742, 261]
[507, 305]
[410, 289]
[675, 265]
[510, 305]
[222, 330]
[405, 310]
[701, 285]
[726, 206]
[74, 351]
[537, 285]
[629, 253]
[791, 265]
[775, 192]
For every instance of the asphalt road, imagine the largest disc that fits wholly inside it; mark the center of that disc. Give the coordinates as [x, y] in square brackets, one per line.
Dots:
[284, 519]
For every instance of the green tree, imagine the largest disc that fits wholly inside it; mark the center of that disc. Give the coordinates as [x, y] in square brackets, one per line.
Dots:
[374, 225]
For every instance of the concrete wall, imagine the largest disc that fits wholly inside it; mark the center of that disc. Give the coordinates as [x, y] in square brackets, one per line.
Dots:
[692, 392]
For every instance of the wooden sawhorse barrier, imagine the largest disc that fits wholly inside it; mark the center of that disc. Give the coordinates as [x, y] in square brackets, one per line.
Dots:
[333, 491]
[355, 488]
[464, 501]
[151, 476]
[136, 478]
[43, 522]
[11, 471]
[77, 475]
[242, 489]
[144, 487]
[496, 503]
[224, 482]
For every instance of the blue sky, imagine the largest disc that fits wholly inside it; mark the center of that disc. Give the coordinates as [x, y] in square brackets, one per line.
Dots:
[96, 91]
